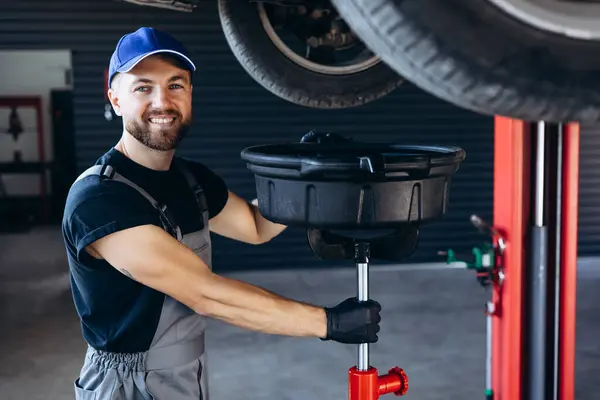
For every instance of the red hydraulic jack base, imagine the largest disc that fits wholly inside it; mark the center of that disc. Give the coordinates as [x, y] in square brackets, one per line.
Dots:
[367, 385]
[364, 383]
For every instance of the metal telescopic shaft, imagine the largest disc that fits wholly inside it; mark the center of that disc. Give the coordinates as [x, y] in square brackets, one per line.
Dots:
[363, 295]
[362, 270]
[536, 347]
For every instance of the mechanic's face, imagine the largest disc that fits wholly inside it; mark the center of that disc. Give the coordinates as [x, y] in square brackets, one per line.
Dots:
[155, 101]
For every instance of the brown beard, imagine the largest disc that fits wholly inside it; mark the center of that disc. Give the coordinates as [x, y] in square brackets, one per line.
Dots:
[162, 140]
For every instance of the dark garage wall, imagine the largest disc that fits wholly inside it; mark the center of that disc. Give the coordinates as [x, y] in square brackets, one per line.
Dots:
[232, 112]
[589, 191]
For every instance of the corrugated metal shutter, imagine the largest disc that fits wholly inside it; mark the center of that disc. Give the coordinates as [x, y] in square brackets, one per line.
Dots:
[232, 112]
[589, 191]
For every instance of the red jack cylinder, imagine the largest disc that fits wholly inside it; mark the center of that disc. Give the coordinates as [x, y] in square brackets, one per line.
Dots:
[367, 385]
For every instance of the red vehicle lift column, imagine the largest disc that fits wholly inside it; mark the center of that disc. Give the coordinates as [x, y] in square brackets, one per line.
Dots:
[536, 181]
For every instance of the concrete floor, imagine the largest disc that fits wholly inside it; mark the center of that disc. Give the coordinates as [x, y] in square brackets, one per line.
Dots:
[432, 326]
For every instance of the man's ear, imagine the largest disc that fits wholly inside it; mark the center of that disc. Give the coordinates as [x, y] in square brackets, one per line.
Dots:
[114, 101]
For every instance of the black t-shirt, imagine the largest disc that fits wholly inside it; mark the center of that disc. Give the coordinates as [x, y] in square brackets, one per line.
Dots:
[117, 313]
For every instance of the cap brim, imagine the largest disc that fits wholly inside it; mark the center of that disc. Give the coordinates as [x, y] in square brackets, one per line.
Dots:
[128, 66]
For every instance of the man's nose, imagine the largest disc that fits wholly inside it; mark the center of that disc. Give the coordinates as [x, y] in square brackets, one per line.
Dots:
[161, 98]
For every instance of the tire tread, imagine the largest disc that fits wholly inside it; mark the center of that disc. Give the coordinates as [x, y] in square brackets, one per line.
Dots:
[409, 45]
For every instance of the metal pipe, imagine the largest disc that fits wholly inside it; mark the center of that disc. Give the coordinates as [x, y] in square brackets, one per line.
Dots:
[539, 174]
[558, 268]
[537, 316]
[537, 290]
[363, 295]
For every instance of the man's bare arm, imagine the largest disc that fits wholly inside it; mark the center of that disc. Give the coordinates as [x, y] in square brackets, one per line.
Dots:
[242, 221]
[152, 257]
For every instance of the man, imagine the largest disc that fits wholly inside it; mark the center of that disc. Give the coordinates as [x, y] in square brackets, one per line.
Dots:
[137, 232]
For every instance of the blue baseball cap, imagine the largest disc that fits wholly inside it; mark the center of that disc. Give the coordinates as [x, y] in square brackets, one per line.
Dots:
[134, 47]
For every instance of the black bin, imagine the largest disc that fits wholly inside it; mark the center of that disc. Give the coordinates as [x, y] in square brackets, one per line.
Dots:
[352, 185]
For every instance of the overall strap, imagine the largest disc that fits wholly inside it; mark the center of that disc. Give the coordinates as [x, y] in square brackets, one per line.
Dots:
[193, 183]
[108, 172]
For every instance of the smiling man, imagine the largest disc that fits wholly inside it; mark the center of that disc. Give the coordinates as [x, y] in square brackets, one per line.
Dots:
[137, 229]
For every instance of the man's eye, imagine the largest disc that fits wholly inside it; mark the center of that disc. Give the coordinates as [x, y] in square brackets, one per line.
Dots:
[142, 88]
[176, 86]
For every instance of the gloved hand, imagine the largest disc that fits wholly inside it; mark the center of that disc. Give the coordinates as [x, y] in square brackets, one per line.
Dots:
[353, 321]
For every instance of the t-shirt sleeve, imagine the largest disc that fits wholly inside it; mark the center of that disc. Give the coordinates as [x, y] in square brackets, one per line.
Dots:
[97, 208]
[215, 188]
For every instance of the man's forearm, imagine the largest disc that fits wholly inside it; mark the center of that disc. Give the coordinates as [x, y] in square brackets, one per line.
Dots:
[257, 309]
[266, 229]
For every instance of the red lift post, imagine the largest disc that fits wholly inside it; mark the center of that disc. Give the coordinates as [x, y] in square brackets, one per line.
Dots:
[536, 181]
[568, 253]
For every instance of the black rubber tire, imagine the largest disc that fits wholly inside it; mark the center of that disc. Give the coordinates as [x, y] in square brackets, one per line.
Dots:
[263, 61]
[472, 54]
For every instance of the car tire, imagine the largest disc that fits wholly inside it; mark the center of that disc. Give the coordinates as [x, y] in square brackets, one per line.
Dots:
[479, 57]
[270, 67]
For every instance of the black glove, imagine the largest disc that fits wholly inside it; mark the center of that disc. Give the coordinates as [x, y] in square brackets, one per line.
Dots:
[353, 321]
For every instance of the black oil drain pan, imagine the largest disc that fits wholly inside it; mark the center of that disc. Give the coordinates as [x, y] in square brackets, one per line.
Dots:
[352, 185]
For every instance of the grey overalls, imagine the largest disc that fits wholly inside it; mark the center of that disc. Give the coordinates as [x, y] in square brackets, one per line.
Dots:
[174, 366]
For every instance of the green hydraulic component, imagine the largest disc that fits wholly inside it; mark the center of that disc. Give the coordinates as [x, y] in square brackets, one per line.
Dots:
[481, 259]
